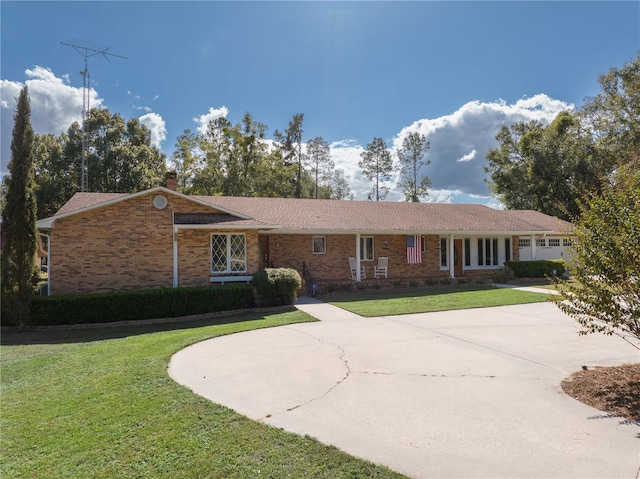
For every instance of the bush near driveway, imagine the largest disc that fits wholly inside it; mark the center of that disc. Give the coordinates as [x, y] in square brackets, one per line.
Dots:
[277, 286]
[537, 269]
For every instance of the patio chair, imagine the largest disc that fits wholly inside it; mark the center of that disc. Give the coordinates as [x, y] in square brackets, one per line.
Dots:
[353, 265]
[381, 268]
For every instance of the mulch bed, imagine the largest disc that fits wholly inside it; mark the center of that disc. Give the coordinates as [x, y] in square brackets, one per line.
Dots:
[615, 390]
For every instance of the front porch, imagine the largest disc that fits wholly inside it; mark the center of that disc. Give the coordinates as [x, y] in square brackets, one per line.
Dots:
[412, 259]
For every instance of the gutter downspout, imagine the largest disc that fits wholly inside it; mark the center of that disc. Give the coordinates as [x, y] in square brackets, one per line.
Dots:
[175, 250]
[48, 262]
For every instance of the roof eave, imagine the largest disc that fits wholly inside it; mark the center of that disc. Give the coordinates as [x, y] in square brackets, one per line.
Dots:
[328, 231]
[48, 223]
[222, 226]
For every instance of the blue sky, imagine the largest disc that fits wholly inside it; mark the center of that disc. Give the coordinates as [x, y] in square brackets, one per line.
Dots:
[455, 71]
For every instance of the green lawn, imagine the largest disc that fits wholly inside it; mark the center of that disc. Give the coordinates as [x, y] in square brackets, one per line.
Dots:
[392, 303]
[98, 403]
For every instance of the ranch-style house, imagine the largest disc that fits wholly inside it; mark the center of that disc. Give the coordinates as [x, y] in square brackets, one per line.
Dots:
[99, 242]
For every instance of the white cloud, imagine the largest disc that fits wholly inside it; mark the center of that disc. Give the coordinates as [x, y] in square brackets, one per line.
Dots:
[55, 105]
[468, 157]
[459, 144]
[212, 114]
[156, 126]
[473, 127]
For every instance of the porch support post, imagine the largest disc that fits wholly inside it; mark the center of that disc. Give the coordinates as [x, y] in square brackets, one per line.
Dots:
[358, 257]
[175, 257]
[451, 257]
[533, 247]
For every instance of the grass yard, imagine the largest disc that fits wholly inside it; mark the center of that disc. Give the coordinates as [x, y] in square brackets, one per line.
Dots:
[98, 403]
[390, 303]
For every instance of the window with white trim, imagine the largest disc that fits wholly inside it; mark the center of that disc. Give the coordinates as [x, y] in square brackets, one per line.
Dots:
[228, 253]
[554, 242]
[524, 242]
[444, 252]
[487, 251]
[567, 242]
[541, 242]
[366, 248]
[467, 251]
[319, 245]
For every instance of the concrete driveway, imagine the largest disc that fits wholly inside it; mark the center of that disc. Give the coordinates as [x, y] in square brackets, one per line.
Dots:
[472, 393]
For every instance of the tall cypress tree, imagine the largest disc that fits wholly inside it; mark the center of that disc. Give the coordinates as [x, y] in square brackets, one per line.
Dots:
[19, 218]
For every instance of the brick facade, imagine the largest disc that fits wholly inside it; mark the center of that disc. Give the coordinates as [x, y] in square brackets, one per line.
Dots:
[194, 255]
[290, 251]
[129, 245]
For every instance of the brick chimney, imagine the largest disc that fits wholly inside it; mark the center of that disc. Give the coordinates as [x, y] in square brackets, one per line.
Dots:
[171, 180]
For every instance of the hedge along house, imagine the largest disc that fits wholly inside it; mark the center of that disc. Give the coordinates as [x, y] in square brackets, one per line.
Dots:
[101, 242]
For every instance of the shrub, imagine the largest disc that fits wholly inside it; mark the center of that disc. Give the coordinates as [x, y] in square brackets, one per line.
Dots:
[330, 288]
[446, 281]
[503, 275]
[346, 286]
[277, 286]
[537, 269]
[430, 281]
[136, 305]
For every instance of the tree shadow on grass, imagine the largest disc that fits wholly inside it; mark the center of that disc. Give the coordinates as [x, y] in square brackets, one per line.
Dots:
[99, 332]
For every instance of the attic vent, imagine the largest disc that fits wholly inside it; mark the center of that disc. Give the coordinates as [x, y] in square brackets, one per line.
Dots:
[160, 202]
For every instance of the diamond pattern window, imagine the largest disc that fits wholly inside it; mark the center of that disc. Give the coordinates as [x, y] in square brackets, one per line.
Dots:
[228, 253]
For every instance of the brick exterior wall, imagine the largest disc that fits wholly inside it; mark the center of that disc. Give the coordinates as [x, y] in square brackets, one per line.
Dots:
[194, 255]
[129, 245]
[290, 251]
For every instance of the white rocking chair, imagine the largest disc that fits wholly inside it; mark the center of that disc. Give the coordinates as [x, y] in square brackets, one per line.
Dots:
[381, 268]
[353, 265]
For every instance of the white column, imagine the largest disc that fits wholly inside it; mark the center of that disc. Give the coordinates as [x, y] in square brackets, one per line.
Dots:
[533, 247]
[358, 257]
[451, 256]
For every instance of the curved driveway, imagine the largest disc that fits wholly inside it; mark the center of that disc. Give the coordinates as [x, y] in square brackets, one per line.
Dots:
[472, 393]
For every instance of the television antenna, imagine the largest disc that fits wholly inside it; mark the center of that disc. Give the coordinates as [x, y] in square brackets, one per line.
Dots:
[87, 50]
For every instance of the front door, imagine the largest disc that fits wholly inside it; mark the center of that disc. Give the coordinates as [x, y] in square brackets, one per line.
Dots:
[457, 257]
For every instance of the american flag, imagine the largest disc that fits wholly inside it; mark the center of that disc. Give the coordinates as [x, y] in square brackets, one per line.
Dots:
[414, 249]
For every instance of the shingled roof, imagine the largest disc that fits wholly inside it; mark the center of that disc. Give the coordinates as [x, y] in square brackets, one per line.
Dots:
[300, 215]
[333, 216]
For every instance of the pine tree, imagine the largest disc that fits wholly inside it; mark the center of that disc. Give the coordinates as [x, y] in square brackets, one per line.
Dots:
[414, 184]
[377, 166]
[19, 218]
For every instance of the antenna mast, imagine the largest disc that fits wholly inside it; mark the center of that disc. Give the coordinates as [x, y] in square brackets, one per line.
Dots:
[87, 50]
